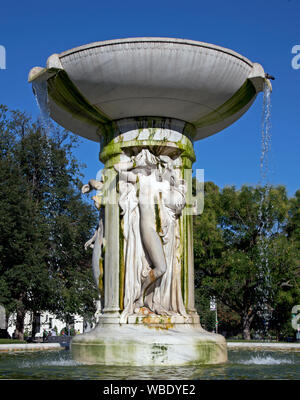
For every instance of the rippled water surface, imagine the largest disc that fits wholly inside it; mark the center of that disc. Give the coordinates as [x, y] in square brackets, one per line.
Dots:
[242, 364]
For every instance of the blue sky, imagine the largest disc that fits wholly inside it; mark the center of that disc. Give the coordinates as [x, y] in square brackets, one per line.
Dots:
[264, 32]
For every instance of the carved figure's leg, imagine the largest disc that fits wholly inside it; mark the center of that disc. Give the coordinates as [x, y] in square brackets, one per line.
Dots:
[154, 248]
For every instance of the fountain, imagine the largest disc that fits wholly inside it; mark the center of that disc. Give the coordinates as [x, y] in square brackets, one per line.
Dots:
[146, 100]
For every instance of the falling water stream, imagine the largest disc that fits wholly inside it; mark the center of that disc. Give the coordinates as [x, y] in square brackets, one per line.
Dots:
[264, 283]
[265, 136]
[41, 96]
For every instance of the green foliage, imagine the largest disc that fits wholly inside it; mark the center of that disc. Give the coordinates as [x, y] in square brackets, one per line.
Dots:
[243, 255]
[207, 317]
[12, 341]
[293, 226]
[43, 221]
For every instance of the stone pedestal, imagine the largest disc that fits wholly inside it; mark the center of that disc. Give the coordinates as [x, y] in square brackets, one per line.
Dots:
[149, 344]
[139, 324]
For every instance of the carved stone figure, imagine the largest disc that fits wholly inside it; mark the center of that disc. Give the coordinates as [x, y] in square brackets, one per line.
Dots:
[152, 196]
[97, 241]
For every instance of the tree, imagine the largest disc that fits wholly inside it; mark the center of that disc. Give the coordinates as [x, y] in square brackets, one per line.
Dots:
[21, 231]
[43, 222]
[242, 255]
[293, 226]
[290, 294]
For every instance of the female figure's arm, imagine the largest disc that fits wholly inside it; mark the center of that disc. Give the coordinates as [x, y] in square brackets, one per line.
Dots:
[124, 174]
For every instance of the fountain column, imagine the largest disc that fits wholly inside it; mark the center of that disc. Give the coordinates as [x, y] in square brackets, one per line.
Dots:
[148, 315]
[111, 259]
[187, 221]
[164, 144]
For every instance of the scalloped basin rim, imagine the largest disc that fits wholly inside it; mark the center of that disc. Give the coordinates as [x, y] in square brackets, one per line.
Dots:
[154, 39]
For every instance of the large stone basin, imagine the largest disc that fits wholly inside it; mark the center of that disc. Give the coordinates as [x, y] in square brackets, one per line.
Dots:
[205, 85]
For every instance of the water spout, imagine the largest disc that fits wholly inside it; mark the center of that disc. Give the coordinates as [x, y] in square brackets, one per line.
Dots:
[268, 76]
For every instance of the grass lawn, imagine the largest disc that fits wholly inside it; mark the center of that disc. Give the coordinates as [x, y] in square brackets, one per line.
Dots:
[11, 341]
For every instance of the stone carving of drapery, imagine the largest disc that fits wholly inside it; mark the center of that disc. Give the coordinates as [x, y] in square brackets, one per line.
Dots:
[152, 195]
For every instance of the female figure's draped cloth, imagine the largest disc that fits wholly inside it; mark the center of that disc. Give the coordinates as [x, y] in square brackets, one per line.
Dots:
[166, 298]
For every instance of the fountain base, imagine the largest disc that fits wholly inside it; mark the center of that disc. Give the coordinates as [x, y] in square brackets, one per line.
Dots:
[149, 345]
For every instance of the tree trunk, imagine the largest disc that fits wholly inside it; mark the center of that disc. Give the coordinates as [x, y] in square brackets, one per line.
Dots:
[247, 320]
[35, 326]
[20, 323]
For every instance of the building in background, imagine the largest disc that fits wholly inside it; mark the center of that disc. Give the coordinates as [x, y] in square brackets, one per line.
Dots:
[49, 322]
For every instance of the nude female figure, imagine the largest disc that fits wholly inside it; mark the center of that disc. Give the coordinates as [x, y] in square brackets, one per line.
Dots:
[97, 242]
[145, 175]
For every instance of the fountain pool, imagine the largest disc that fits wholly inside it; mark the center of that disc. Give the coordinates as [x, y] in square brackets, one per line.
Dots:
[242, 364]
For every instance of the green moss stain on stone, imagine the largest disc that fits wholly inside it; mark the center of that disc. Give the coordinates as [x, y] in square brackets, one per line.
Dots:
[122, 267]
[187, 151]
[110, 153]
[105, 353]
[100, 284]
[113, 144]
[121, 351]
[185, 260]
[209, 353]
[66, 95]
[186, 222]
[159, 353]
[108, 132]
[185, 235]
[239, 100]
[157, 218]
